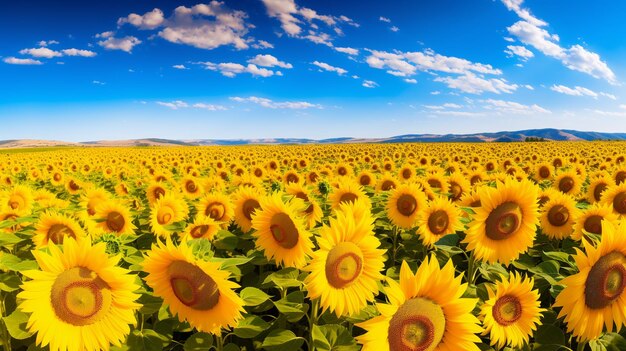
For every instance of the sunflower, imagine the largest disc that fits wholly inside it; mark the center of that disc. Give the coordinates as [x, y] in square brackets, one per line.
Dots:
[169, 209]
[568, 182]
[195, 290]
[345, 271]
[589, 221]
[246, 201]
[557, 216]
[387, 182]
[80, 299]
[217, 206]
[55, 227]
[545, 195]
[512, 312]
[90, 200]
[437, 181]
[504, 225]
[406, 173]
[597, 187]
[366, 178]
[191, 187]
[616, 196]
[56, 178]
[439, 218]
[202, 227]
[458, 186]
[543, 171]
[312, 210]
[113, 217]
[404, 203]
[281, 233]
[426, 312]
[594, 297]
[73, 185]
[19, 199]
[347, 191]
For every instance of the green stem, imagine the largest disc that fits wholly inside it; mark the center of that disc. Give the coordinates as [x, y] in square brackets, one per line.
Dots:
[313, 320]
[471, 269]
[6, 337]
[394, 235]
[581, 346]
[219, 342]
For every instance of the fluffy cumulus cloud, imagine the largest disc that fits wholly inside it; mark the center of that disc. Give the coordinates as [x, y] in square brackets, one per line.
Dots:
[42, 52]
[269, 61]
[349, 51]
[304, 23]
[47, 42]
[110, 42]
[326, 67]
[580, 91]
[179, 104]
[369, 84]
[510, 107]
[78, 52]
[531, 31]
[231, 69]
[515, 50]
[21, 61]
[149, 20]
[475, 84]
[267, 103]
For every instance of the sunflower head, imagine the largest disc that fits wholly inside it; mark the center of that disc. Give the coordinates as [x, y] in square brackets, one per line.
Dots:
[55, 228]
[439, 218]
[218, 206]
[246, 202]
[404, 204]
[557, 216]
[113, 216]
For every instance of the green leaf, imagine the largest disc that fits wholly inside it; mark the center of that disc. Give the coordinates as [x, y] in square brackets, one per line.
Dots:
[319, 339]
[225, 240]
[285, 278]
[146, 340]
[282, 340]
[336, 336]
[10, 262]
[549, 334]
[9, 239]
[250, 327]
[9, 282]
[199, 341]
[149, 303]
[16, 325]
[252, 296]
[292, 306]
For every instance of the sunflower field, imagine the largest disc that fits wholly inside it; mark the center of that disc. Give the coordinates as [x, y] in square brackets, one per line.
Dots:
[402, 247]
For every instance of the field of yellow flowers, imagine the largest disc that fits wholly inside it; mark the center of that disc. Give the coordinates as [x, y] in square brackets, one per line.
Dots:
[402, 247]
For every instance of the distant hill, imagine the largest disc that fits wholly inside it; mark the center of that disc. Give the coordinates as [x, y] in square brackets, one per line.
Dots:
[506, 136]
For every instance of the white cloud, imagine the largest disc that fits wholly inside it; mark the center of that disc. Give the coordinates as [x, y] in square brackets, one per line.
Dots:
[179, 104]
[458, 113]
[267, 103]
[410, 80]
[530, 31]
[622, 107]
[384, 19]
[349, 51]
[262, 44]
[174, 105]
[209, 107]
[435, 92]
[609, 113]
[269, 61]
[610, 96]
[443, 107]
[41, 52]
[511, 107]
[111, 43]
[340, 71]
[529, 87]
[369, 84]
[580, 91]
[509, 39]
[394, 29]
[97, 82]
[474, 84]
[46, 43]
[231, 69]
[20, 61]
[149, 20]
[520, 51]
[180, 67]
[78, 52]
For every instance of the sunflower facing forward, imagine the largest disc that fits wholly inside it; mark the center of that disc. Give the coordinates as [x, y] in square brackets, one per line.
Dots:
[441, 217]
[167, 210]
[80, 299]
[345, 271]
[557, 216]
[404, 204]
[55, 227]
[594, 298]
[426, 312]
[504, 225]
[512, 312]
[195, 290]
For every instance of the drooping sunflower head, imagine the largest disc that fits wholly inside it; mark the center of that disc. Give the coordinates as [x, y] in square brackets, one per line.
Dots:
[404, 204]
[168, 210]
[594, 298]
[512, 312]
[246, 201]
[80, 299]
[439, 218]
[589, 221]
[504, 226]
[218, 206]
[195, 290]
[557, 216]
[280, 231]
[615, 196]
[426, 312]
[55, 228]
[113, 216]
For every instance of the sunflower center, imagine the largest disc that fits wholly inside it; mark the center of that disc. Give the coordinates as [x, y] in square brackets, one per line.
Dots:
[193, 287]
[74, 186]
[388, 185]
[284, 230]
[475, 179]
[199, 230]
[606, 280]
[191, 187]
[544, 172]
[438, 222]
[301, 195]
[248, 208]
[80, 297]
[456, 191]
[620, 177]
[15, 203]
[434, 183]
[165, 215]
[365, 180]
[348, 197]
[215, 210]
[599, 189]
[57, 177]
[593, 224]
[158, 192]
[115, 221]
[342, 171]
[58, 232]
[503, 221]
[507, 310]
[406, 173]
[566, 184]
[558, 215]
[418, 325]
[619, 202]
[343, 264]
[406, 204]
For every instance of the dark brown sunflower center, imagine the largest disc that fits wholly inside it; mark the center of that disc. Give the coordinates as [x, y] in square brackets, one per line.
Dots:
[342, 171]
[199, 230]
[191, 186]
[503, 221]
[566, 184]
[558, 215]
[456, 190]
[365, 180]
[292, 178]
[343, 264]
[215, 210]
[258, 172]
[80, 297]
[406, 173]
[507, 310]
[619, 202]
[348, 197]
[388, 185]
[418, 325]
[57, 177]
[284, 230]
[58, 232]
[606, 280]
[248, 208]
[192, 286]
[434, 183]
[406, 204]
[598, 190]
[475, 179]
[593, 224]
[115, 221]
[438, 222]
[74, 186]
[620, 177]
[158, 192]
[542, 200]
[544, 172]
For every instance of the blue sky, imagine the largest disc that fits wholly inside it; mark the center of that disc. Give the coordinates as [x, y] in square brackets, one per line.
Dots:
[78, 70]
